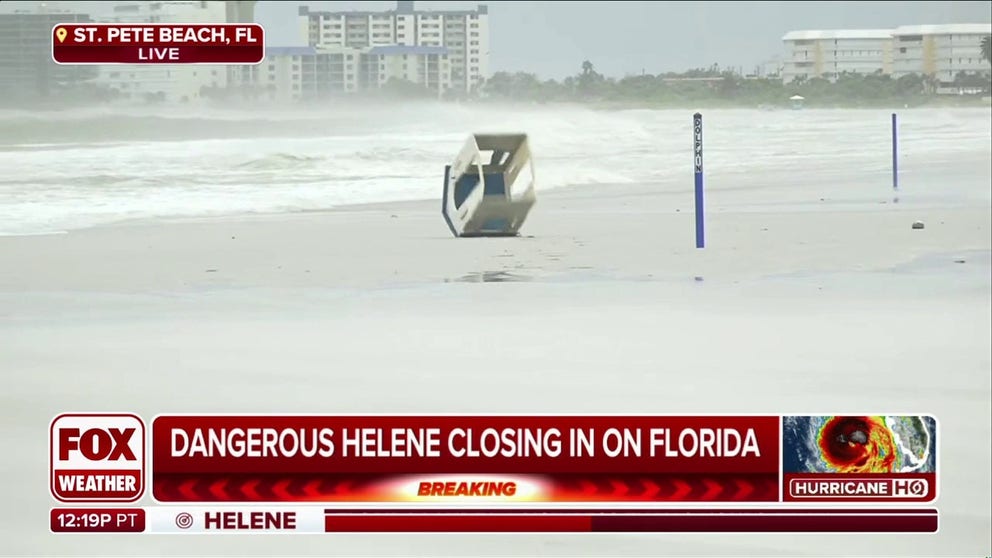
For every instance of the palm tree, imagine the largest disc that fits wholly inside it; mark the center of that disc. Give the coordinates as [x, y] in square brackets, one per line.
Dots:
[987, 48]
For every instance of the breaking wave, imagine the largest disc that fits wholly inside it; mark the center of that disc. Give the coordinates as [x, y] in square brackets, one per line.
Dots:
[78, 168]
[276, 161]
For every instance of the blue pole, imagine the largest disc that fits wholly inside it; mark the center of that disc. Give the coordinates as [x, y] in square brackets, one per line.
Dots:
[895, 156]
[697, 136]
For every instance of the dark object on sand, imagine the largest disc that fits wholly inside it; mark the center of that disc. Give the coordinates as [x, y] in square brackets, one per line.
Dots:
[489, 187]
[918, 225]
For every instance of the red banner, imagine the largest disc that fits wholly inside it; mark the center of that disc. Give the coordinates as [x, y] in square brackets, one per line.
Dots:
[721, 520]
[240, 43]
[465, 445]
[448, 458]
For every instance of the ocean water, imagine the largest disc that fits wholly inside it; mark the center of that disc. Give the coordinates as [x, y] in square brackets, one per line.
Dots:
[78, 168]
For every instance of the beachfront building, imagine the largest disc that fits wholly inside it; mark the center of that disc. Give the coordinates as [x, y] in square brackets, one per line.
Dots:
[164, 82]
[427, 66]
[463, 33]
[941, 51]
[302, 73]
[829, 53]
[313, 73]
[27, 71]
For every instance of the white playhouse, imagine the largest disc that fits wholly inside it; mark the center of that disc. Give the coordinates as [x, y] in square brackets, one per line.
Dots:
[489, 188]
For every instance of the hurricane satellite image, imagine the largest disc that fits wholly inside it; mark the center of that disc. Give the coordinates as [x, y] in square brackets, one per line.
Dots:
[848, 444]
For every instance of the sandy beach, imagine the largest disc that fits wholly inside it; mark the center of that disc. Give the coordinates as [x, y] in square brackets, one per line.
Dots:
[814, 294]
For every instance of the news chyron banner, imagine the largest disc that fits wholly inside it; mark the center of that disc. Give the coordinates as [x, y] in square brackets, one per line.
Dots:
[148, 43]
[505, 473]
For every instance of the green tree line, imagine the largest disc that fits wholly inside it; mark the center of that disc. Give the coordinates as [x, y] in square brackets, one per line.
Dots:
[715, 86]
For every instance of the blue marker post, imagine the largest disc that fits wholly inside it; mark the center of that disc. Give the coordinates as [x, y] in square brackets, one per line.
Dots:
[895, 155]
[697, 137]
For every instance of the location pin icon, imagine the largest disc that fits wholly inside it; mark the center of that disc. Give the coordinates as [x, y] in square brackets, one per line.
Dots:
[60, 34]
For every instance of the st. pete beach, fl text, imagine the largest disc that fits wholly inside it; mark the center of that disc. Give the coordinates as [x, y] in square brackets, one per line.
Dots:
[157, 43]
[164, 38]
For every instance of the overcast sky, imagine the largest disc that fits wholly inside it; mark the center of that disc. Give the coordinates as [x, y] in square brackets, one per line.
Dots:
[553, 38]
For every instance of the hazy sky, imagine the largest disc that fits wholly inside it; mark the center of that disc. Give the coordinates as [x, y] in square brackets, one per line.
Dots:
[553, 38]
